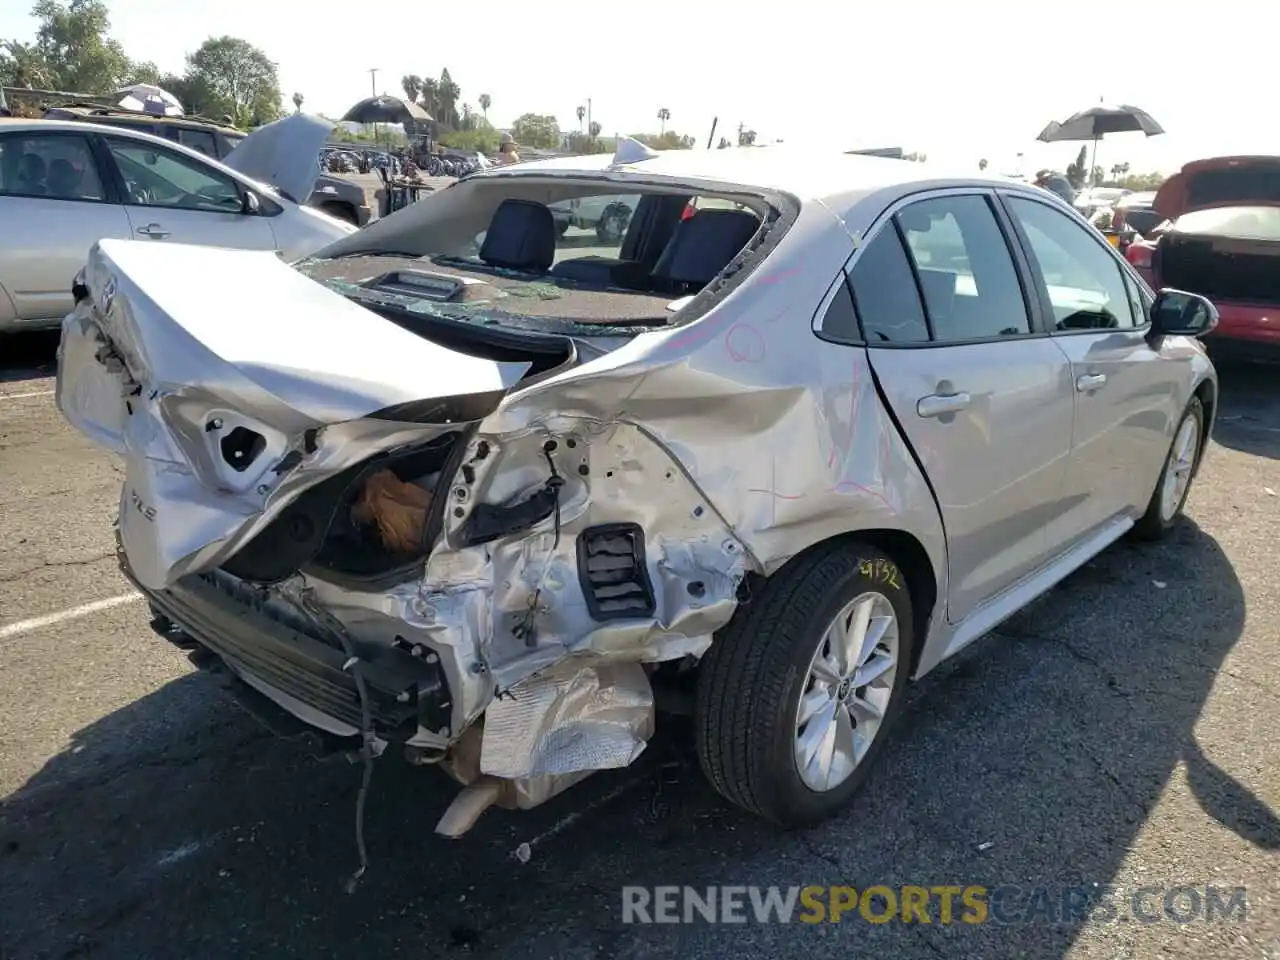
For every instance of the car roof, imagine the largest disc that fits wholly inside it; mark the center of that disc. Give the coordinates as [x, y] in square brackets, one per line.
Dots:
[805, 174]
[187, 120]
[19, 124]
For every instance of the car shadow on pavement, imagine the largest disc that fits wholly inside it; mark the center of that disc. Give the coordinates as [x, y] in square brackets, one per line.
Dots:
[28, 356]
[1248, 417]
[174, 827]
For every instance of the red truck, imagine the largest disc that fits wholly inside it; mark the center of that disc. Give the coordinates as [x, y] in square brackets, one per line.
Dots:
[1221, 239]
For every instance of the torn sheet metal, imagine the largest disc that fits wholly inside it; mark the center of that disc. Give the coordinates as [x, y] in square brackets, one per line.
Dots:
[577, 717]
[190, 372]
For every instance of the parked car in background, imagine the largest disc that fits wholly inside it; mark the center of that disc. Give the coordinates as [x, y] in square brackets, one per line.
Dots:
[334, 195]
[480, 493]
[1134, 216]
[71, 183]
[1220, 237]
[608, 216]
[1090, 201]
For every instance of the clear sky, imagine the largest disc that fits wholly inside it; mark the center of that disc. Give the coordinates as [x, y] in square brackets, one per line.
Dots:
[957, 80]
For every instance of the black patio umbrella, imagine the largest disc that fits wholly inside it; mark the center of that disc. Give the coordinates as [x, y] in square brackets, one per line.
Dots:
[386, 109]
[1096, 122]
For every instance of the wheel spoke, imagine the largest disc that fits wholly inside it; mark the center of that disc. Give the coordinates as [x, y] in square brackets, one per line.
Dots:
[851, 635]
[827, 671]
[817, 742]
[1185, 441]
[845, 754]
[873, 669]
[812, 702]
[876, 629]
[866, 710]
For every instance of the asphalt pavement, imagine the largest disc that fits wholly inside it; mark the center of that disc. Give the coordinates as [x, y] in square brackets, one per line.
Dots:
[1122, 732]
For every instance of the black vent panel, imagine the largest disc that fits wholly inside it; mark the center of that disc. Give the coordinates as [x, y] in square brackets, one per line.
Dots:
[611, 566]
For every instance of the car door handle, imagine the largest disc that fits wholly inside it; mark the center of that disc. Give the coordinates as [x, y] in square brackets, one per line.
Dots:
[1090, 381]
[940, 404]
[154, 231]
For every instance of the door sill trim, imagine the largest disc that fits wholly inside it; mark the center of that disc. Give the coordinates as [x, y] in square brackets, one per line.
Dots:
[991, 614]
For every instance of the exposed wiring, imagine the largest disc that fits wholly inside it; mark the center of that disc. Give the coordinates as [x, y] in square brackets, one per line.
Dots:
[368, 740]
[525, 629]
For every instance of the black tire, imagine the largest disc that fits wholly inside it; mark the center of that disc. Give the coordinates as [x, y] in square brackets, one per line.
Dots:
[562, 227]
[341, 211]
[751, 680]
[1154, 524]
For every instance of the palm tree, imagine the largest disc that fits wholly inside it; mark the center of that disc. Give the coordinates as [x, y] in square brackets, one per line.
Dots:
[982, 164]
[411, 84]
[485, 102]
[594, 130]
[297, 103]
[581, 112]
[663, 116]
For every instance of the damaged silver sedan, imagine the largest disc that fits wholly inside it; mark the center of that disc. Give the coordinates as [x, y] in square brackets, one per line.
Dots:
[475, 486]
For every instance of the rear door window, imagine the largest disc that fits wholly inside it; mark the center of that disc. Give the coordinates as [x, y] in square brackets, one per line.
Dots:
[965, 270]
[59, 166]
[885, 294]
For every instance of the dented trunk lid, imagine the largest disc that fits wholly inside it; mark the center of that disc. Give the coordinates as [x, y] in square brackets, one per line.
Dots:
[230, 384]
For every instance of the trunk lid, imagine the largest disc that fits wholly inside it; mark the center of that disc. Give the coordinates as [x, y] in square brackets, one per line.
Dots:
[230, 384]
[284, 154]
[1220, 182]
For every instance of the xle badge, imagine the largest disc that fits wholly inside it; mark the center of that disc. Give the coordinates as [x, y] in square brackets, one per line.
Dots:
[142, 508]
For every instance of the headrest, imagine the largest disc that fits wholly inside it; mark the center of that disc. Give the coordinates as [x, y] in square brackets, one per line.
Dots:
[702, 246]
[521, 236]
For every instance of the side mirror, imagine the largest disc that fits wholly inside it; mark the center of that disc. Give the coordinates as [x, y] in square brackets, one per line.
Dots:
[250, 205]
[1181, 314]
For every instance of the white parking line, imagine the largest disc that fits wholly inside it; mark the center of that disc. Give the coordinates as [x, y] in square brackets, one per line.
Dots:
[24, 396]
[9, 631]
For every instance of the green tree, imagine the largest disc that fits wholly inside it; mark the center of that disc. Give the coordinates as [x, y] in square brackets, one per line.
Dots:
[486, 102]
[982, 164]
[663, 116]
[746, 138]
[448, 94]
[22, 65]
[915, 157]
[1076, 170]
[667, 140]
[482, 138]
[72, 39]
[144, 71]
[430, 99]
[536, 130]
[411, 84]
[593, 130]
[582, 113]
[243, 82]
[194, 94]
[297, 102]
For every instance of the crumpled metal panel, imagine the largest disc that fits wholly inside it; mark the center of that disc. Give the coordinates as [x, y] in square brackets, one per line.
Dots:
[183, 507]
[577, 717]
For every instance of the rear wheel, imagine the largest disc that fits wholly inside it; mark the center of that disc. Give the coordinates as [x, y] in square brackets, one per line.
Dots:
[1171, 491]
[796, 696]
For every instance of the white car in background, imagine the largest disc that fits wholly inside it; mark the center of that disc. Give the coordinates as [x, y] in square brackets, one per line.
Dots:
[64, 185]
